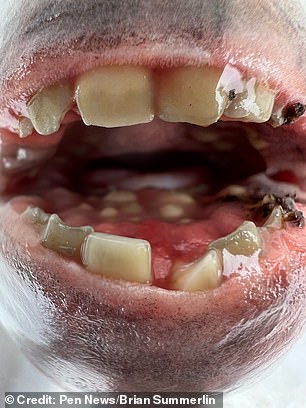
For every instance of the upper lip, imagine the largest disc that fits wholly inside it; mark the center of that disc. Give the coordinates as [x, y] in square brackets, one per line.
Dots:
[30, 64]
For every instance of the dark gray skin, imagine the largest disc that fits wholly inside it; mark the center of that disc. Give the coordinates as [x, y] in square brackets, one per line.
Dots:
[90, 334]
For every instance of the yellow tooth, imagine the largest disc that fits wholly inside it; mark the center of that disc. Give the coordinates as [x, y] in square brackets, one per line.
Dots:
[118, 257]
[115, 96]
[175, 197]
[25, 127]
[275, 219]
[120, 196]
[48, 107]
[63, 239]
[245, 240]
[203, 274]
[190, 94]
[253, 104]
[35, 215]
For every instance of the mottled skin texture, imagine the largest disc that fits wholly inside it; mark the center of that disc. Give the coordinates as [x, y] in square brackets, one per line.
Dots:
[90, 334]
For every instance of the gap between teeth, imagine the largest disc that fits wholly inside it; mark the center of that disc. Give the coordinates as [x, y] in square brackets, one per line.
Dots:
[129, 259]
[113, 96]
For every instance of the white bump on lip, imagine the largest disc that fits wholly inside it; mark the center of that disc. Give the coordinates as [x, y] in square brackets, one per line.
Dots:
[118, 257]
[172, 211]
[25, 127]
[203, 274]
[245, 240]
[48, 107]
[189, 94]
[114, 96]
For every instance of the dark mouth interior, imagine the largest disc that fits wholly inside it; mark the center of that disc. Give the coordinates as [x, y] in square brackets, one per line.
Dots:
[94, 161]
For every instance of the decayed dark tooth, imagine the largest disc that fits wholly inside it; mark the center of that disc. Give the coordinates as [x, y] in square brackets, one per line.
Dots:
[118, 257]
[63, 239]
[285, 115]
[245, 240]
[293, 112]
[204, 273]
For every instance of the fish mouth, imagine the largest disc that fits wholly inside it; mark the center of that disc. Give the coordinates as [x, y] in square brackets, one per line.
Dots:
[152, 228]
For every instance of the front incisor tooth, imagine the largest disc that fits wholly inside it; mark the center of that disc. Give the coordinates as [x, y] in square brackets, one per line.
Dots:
[189, 94]
[63, 239]
[115, 96]
[245, 240]
[48, 107]
[118, 257]
[203, 274]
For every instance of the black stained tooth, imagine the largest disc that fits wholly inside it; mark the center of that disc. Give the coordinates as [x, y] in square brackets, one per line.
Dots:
[296, 217]
[293, 112]
[287, 203]
[232, 94]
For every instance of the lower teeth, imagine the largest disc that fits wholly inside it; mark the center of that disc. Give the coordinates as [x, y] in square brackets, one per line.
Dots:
[122, 258]
[63, 239]
[118, 257]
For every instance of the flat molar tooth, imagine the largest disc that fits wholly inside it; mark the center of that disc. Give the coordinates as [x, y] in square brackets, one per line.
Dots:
[118, 257]
[115, 96]
[48, 107]
[245, 240]
[189, 94]
[203, 274]
[63, 239]
[275, 219]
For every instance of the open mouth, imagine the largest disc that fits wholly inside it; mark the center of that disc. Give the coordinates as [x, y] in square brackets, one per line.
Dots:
[152, 224]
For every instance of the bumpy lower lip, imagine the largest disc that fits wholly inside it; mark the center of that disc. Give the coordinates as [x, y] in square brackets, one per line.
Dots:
[111, 335]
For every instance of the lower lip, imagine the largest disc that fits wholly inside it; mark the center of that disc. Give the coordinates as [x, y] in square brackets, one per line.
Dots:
[94, 330]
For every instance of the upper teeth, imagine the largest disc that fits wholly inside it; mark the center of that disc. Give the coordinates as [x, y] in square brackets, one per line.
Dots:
[114, 96]
[48, 107]
[190, 95]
